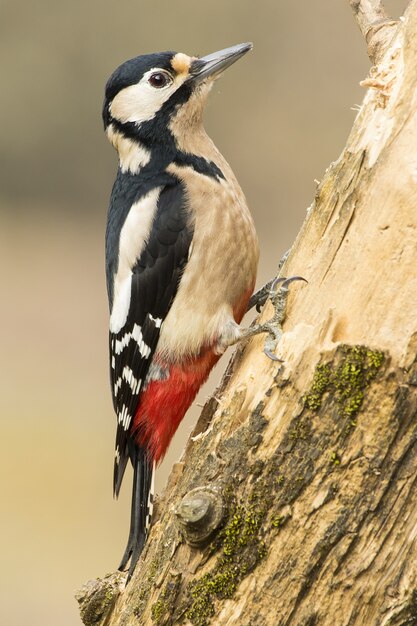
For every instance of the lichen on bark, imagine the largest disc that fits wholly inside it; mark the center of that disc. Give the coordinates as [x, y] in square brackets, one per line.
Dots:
[346, 380]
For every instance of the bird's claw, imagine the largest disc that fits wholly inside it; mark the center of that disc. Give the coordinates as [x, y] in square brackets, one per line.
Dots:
[278, 299]
[271, 342]
[261, 303]
[272, 356]
[268, 291]
[286, 282]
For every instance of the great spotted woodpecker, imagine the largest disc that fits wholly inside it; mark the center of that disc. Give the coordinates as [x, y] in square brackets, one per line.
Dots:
[181, 258]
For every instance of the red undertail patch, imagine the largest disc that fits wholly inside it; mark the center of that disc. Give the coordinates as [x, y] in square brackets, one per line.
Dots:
[164, 403]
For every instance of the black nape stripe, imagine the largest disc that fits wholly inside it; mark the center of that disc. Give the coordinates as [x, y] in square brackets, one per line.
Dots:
[199, 164]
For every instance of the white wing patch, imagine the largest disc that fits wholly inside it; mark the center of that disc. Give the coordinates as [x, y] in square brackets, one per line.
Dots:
[121, 303]
[133, 237]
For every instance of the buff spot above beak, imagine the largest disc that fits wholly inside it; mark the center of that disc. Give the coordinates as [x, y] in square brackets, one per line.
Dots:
[181, 63]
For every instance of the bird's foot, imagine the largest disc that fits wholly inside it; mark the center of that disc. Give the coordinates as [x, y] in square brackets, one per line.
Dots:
[272, 327]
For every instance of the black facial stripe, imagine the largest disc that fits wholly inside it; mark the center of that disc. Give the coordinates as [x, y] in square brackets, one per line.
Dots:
[166, 153]
[199, 164]
[153, 132]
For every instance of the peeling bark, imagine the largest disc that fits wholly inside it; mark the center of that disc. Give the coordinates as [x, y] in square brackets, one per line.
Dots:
[310, 465]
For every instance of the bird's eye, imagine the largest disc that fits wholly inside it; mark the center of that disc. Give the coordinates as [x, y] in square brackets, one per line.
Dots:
[158, 80]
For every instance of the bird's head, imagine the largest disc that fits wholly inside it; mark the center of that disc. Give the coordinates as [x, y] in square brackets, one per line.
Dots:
[147, 98]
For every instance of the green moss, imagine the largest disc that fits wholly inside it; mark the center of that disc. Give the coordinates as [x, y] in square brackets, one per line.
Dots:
[346, 380]
[262, 550]
[334, 458]
[276, 521]
[300, 430]
[321, 382]
[241, 549]
[142, 597]
[375, 359]
[239, 546]
[162, 609]
[96, 604]
[158, 610]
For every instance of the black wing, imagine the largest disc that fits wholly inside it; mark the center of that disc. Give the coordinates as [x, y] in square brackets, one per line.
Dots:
[154, 283]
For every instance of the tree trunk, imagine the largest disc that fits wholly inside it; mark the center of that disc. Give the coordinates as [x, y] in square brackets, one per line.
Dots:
[305, 509]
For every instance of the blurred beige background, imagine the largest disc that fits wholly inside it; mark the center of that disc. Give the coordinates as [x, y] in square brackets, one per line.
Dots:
[279, 116]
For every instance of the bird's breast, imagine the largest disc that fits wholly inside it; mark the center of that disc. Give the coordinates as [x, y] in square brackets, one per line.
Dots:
[221, 268]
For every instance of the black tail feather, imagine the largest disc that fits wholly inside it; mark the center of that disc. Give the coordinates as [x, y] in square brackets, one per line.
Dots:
[122, 455]
[140, 511]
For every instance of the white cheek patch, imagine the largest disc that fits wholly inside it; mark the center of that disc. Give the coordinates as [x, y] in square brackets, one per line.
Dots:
[141, 102]
[132, 155]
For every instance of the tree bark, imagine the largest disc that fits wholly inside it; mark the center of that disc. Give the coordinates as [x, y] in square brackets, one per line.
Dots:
[375, 25]
[305, 472]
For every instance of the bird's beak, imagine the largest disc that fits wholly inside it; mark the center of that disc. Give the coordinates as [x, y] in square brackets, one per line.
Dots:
[212, 65]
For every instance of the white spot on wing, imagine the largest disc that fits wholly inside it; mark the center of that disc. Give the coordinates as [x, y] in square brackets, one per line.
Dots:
[122, 343]
[156, 320]
[124, 417]
[127, 374]
[131, 380]
[138, 337]
[144, 350]
[117, 386]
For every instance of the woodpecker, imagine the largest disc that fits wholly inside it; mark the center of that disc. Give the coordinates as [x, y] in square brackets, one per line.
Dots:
[181, 258]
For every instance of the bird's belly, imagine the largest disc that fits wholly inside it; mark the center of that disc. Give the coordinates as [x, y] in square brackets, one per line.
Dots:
[218, 279]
